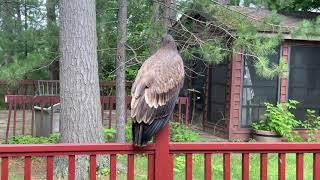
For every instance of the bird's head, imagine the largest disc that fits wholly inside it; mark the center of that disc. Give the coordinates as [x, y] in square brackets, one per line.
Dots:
[168, 41]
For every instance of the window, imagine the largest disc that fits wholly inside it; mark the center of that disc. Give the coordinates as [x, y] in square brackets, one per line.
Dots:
[304, 78]
[256, 91]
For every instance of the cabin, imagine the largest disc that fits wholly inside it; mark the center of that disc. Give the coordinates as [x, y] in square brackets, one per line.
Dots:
[227, 98]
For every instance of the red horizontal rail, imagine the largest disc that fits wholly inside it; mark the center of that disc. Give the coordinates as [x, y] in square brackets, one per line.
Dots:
[76, 149]
[244, 147]
[173, 147]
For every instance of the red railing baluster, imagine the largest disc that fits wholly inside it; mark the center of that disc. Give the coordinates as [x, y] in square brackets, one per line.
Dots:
[8, 123]
[113, 167]
[27, 168]
[171, 166]
[189, 166]
[245, 166]
[110, 111]
[299, 166]
[226, 166]
[187, 111]
[316, 166]
[4, 168]
[130, 175]
[263, 166]
[151, 169]
[32, 119]
[179, 107]
[50, 168]
[93, 167]
[23, 116]
[14, 118]
[72, 167]
[207, 166]
[282, 166]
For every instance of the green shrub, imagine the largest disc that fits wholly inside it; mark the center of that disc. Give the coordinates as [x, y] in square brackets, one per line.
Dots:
[109, 135]
[28, 139]
[312, 125]
[279, 119]
[181, 133]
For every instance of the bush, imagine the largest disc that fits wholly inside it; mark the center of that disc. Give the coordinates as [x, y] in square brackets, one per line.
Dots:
[312, 125]
[109, 135]
[181, 133]
[28, 139]
[279, 119]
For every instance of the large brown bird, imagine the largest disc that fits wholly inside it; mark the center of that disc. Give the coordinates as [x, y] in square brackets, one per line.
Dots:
[155, 91]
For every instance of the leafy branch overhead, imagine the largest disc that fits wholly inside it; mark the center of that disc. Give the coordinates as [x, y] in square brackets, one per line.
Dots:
[205, 31]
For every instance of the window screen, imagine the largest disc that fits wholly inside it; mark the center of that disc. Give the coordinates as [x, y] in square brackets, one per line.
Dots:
[217, 93]
[304, 78]
[256, 91]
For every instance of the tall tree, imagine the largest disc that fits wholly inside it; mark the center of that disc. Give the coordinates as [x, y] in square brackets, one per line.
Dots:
[7, 16]
[154, 25]
[52, 32]
[167, 17]
[79, 91]
[120, 71]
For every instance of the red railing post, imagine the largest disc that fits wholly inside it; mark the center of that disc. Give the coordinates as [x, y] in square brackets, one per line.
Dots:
[162, 170]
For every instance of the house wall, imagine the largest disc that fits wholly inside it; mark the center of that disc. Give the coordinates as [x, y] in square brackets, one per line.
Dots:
[235, 131]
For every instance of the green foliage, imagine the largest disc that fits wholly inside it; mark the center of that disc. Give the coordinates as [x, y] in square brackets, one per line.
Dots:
[28, 139]
[181, 133]
[279, 119]
[312, 125]
[109, 134]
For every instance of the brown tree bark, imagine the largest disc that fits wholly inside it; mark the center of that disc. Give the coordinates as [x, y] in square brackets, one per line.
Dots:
[79, 81]
[167, 15]
[51, 27]
[120, 72]
[155, 21]
[7, 13]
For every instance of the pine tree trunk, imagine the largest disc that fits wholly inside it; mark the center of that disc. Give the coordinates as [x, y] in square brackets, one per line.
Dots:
[167, 14]
[8, 27]
[120, 72]
[19, 21]
[154, 26]
[25, 27]
[79, 81]
[51, 27]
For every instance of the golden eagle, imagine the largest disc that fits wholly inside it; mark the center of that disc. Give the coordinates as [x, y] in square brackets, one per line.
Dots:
[155, 91]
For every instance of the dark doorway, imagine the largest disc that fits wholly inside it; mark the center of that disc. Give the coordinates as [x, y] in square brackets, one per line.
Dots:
[217, 90]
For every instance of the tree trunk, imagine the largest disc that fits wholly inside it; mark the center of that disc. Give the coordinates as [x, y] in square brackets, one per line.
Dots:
[120, 72]
[51, 28]
[19, 21]
[79, 81]
[25, 27]
[155, 21]
[8, 27]
[167, 15]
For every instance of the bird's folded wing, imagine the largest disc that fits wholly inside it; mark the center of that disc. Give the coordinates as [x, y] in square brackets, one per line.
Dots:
[155, 85]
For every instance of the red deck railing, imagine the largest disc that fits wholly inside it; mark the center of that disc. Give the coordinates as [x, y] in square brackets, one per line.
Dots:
[161, 157]
[22, 108]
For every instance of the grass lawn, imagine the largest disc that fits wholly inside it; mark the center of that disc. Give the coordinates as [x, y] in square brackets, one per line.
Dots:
[141, 166]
